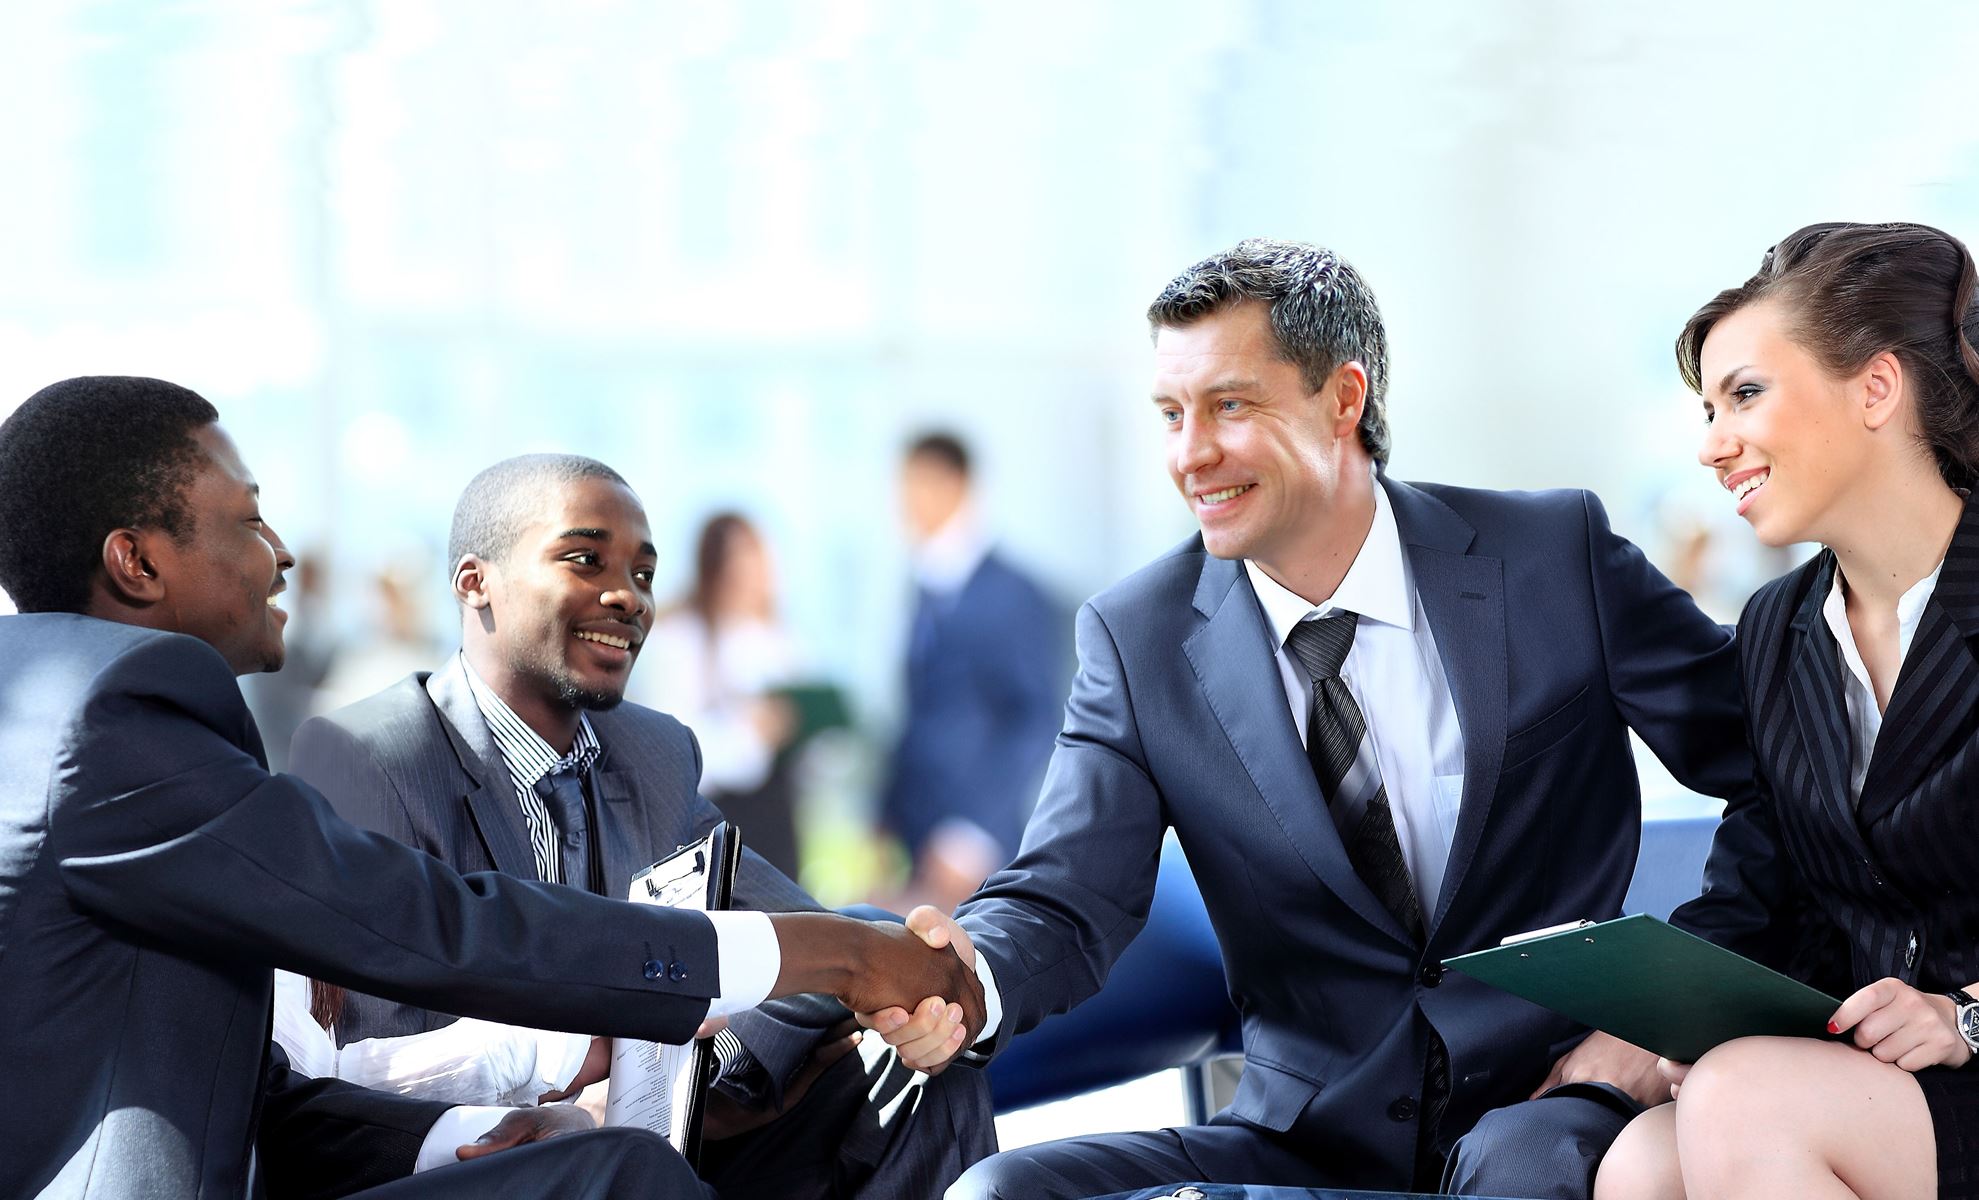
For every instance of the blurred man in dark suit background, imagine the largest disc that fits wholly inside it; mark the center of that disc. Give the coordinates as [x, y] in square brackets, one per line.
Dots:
[986, 670]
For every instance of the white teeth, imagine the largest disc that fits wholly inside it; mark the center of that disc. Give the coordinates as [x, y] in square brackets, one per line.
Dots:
[271, 602]
[1751, 485]
[605, 639]
[1226, 494]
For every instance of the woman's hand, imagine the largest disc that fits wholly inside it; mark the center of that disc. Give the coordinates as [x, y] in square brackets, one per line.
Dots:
[1673, 1074]
[1899, 1024]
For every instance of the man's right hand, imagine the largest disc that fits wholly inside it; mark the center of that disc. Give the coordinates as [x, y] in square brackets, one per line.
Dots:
[872, 966]
[930, 1037]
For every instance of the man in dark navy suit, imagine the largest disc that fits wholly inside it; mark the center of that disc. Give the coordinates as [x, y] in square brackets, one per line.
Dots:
[152, 871]
[986, 666]
[1388, 723]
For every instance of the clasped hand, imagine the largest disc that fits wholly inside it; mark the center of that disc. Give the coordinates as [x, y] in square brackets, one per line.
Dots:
[1891, 1020]
[930, 1037]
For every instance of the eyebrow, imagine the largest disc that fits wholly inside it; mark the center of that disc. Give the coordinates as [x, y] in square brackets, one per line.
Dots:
[1227, 384]
[605, 535]
[1726, 383]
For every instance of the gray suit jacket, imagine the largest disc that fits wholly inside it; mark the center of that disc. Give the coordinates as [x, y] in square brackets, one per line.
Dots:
[417, 763]
[152, 872]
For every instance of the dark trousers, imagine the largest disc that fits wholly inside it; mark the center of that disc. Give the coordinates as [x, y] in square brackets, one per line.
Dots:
[1543, 1149]
[869, 1129]
[603, 1164]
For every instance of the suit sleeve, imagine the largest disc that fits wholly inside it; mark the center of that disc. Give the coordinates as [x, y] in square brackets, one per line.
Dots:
[1749, 883]
[167, 827]
[324, 1138]
[1054, 921]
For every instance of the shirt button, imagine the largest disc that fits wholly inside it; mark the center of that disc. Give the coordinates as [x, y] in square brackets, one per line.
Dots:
[1402, 1110]
[1432, 975]
[655, 969]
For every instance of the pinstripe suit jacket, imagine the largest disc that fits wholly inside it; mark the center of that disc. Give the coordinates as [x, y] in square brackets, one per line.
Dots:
[417, 763]
[1889, 880]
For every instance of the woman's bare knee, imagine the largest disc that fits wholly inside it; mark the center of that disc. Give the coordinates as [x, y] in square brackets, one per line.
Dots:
[1642, 1164]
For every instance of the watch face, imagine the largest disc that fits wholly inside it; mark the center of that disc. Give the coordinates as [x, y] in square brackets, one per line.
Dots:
[1968, 1023]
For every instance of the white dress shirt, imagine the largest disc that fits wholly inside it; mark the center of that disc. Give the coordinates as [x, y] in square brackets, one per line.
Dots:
[1396, 676]
[1865, 719]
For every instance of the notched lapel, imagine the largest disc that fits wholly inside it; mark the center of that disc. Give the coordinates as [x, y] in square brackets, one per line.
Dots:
[624, 832]
[1814, 687]
[1234, 661]
[1463, 597]
[1932, 704]
[490, 795]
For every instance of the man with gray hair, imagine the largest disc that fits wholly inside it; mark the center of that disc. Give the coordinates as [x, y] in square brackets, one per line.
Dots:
[518, 756]
[1388, 723]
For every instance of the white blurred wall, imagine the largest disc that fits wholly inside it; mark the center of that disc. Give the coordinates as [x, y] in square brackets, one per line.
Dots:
[744, 251]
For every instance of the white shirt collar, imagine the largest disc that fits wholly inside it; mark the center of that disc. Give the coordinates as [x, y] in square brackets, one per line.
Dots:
[1910, 610]
[1377, 584]
[945, 561]
[525, 754]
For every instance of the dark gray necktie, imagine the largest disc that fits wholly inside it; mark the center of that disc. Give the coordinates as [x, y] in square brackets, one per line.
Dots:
[562, 792]
[1350, 779]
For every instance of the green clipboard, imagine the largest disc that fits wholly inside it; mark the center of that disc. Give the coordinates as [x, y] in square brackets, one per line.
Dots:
[1651, 984]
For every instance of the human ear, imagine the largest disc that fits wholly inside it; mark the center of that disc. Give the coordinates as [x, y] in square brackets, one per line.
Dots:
[1882, 389]
[1348, 392]
[471, 582]
[131, 569]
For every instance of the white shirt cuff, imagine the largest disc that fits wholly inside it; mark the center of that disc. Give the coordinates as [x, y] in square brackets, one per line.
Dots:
[455, 1128]
[746, 944]
[559, 1057]
[992, 1001]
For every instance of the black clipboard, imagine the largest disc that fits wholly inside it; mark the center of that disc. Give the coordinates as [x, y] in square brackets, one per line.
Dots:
[713, 861]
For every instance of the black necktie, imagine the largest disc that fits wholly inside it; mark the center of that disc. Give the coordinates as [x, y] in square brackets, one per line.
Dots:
[1343, 760]
[1350, 779]
[562, 792]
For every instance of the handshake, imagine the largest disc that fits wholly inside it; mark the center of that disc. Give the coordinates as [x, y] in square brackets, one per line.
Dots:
[914, 984]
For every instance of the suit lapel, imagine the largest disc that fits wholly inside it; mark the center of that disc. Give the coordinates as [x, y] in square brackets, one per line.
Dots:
[1814, 686]
[1931, 705]
[1235, 662]
[623, 828]
[490, 796]
[1463, 598]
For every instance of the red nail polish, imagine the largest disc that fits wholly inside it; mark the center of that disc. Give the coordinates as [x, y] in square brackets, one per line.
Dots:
[1834, 1028]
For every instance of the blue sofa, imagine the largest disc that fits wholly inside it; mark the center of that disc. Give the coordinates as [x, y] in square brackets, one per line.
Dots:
[1166, 1005]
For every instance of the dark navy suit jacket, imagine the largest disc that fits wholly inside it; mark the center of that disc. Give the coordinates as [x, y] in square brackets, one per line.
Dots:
[985, 685]
[152, 872]
[1557, 637]
[1802, 877]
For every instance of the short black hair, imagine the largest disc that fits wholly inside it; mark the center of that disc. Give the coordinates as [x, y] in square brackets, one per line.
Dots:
[945, 448]
[81, 458]
[499, 502]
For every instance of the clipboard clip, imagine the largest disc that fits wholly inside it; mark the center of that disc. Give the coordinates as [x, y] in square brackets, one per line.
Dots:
[1549, 931]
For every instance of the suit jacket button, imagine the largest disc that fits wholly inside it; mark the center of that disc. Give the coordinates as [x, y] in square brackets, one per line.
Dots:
[1432, 975]
[1402, 1110]
[655, 969]
[677, 971]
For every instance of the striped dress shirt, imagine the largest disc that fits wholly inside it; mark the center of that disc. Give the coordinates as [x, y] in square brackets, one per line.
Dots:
[528, 759]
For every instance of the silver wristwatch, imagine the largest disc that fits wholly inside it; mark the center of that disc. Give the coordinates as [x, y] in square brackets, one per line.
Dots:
[1967, 1017]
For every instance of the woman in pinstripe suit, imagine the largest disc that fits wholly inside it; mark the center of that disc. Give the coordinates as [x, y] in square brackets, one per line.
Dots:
[1841, 396]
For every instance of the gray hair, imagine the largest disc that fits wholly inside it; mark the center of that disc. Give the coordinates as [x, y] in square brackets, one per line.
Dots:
[1322, 314]
[500, 502]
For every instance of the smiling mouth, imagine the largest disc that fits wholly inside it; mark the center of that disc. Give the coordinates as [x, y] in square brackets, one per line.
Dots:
[605, 639]
[1749, 485]
[1226, 495]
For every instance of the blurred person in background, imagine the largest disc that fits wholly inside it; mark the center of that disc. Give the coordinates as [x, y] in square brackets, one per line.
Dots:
[985, 675]
[713, 662]
[396, 637]
[1840, 387]
[517, 754]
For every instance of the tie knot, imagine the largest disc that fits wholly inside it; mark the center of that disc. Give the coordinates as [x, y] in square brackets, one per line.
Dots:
[559, 787]
[1322, 645]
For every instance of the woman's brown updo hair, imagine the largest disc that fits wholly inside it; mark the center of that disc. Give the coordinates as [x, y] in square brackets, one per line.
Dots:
[1850, 292]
